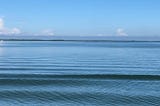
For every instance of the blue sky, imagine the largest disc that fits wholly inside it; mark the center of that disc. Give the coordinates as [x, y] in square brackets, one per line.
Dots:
[80, 17]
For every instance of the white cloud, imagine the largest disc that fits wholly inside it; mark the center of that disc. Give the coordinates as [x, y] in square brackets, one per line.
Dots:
[46, 32]
[16, 31]
[100, 34]
[8, 31]
[121, 32]
[1, 24]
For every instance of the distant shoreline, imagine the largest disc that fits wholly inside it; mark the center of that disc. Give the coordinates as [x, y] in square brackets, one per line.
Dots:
[77, 40]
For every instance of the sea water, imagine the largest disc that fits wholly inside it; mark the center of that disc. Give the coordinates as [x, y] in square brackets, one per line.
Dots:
[70, 73]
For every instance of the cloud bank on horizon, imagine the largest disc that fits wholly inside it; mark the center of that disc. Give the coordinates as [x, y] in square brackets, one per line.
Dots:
[8, 31]
[16, 31]
[47, 32]
[121, 32]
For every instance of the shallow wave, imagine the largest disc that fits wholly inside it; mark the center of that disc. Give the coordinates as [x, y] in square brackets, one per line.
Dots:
[81, 76]
[81, 98]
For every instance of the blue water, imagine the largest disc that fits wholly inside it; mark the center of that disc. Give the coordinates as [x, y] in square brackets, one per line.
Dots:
[63, 73]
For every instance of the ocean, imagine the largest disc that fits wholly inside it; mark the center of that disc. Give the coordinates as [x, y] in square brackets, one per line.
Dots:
[79, 73]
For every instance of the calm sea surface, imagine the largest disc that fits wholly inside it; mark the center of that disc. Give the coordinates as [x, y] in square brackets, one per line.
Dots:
[43, 73]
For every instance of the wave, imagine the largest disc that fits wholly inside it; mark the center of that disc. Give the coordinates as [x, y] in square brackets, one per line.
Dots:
[81, 76]
[81, 98]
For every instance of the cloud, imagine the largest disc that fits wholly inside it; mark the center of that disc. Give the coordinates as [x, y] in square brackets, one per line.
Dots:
[99, 34]
[1, 23]
[16, 31]
[121, 32]
[46, 32]
[8, 31]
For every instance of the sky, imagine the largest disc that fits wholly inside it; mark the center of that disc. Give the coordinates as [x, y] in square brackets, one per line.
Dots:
[80, 17]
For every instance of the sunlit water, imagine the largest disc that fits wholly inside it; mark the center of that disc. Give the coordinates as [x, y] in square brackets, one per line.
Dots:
[79, 73]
